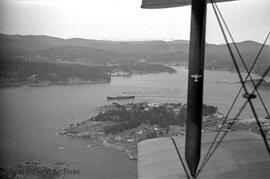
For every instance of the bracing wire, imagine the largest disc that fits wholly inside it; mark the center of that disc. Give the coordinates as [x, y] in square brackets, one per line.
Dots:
[179, 155]
[248, 96]
[233, 103]
[241, 58]
[235, 119]
[241, 78]
[239, 92]
[208, 155]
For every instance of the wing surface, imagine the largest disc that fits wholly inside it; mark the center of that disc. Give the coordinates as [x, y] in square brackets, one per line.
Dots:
[241, 155]
[156, 4]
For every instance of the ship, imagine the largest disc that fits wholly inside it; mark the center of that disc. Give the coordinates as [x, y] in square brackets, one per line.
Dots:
[120, 97]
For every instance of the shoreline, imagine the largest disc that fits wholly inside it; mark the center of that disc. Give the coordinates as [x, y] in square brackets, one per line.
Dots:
[45, 84]
[102, 131]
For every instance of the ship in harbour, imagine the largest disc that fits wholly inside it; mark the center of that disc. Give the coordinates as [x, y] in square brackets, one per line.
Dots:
[119, 97]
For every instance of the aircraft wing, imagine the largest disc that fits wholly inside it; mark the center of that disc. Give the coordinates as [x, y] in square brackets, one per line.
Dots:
[240, 155]
[155, 4]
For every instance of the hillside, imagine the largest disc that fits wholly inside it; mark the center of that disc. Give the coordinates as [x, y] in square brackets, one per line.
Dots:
[18, 73]
[34, 73]
[102, 52]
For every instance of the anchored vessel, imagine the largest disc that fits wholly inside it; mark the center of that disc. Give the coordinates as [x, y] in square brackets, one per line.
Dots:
[120, 97]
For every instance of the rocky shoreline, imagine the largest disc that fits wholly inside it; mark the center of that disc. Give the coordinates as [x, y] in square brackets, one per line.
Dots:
[100, 139]
[43, 84]
[122, 126]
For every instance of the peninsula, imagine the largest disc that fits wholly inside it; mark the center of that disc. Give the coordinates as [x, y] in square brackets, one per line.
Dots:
[32, 73]
[123, 126]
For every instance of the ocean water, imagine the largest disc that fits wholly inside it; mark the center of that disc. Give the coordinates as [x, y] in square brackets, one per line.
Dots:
[31, 116]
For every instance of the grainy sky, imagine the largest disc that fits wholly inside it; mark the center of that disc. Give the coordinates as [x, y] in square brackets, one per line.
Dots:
[125, 20]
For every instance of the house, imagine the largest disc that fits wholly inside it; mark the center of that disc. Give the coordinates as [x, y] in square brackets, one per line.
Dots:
[130, 140]
[153, 105]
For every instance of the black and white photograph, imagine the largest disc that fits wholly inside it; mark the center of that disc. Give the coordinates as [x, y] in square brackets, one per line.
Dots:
[134, 89]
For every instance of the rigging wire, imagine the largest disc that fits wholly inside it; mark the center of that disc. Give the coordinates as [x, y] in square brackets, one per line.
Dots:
[233, 103]
[239, 92]
[179, 155]
[241, 58]
[247, 95]
[208, 155]
[230, 125]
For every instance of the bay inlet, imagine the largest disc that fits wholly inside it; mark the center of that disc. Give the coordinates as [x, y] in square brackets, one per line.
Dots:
[31, 116]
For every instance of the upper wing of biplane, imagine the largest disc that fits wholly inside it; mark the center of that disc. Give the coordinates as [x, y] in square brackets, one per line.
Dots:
[156, 4]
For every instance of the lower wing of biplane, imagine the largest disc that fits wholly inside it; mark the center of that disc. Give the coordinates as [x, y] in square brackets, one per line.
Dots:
[241, 155]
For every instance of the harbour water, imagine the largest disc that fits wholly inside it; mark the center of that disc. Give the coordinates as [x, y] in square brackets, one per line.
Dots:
[30, 118]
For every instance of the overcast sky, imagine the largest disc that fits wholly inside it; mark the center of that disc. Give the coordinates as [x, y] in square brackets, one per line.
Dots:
[125, 20]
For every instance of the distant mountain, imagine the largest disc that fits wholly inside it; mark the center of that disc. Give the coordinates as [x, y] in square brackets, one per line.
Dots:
[102, 52]
[76, 54]
[19, 44]
[25, 45]
[218, 57]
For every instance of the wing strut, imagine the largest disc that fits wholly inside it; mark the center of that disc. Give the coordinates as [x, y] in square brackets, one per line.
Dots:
[195, 84]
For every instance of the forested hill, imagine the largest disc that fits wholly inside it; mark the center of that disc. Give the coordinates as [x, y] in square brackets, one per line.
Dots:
[18, 73]
[102, 52]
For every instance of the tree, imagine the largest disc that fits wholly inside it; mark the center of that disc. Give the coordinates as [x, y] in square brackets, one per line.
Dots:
[182, 116]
